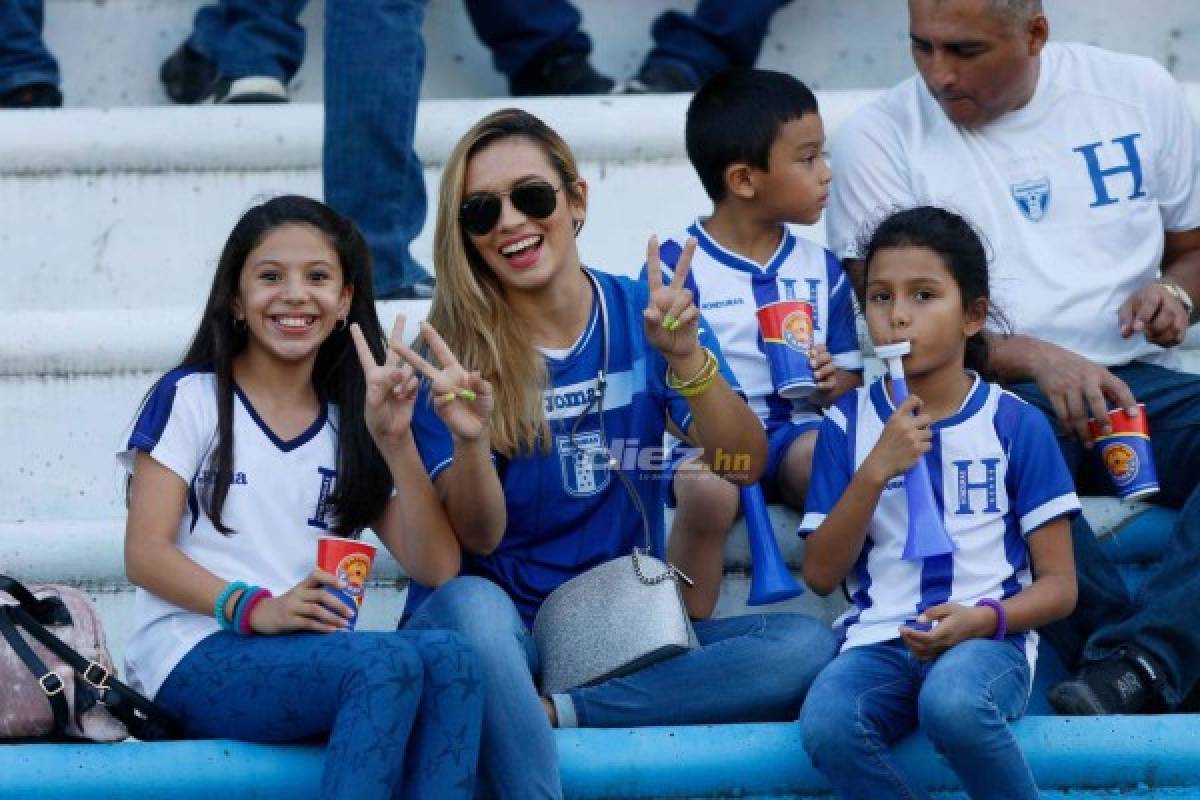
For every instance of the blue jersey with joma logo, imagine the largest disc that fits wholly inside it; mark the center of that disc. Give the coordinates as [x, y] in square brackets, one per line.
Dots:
[567, 511]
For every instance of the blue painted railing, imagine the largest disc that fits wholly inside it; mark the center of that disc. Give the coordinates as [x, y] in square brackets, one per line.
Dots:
[1082, 756]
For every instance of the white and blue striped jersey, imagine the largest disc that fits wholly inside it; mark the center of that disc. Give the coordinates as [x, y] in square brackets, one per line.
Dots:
[277, 506]
[998, 476]
[729, 289]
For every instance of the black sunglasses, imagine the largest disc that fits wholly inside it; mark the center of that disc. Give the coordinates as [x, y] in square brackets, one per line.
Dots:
[480, 212]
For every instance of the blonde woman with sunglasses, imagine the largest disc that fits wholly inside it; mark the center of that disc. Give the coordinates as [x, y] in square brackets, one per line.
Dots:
[550, 385]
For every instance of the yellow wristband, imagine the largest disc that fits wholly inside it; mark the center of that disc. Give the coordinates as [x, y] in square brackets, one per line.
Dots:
[699, 389]
[703, 377]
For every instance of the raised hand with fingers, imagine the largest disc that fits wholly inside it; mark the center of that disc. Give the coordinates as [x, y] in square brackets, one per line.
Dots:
[464, 400]
[671, 318]
[391, 388]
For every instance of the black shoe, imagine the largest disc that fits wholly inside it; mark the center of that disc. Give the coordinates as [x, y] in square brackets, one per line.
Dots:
[188, 76]
[660, 77]
[33, 95]
[1125, 683]
[421, 290]
[560, 72]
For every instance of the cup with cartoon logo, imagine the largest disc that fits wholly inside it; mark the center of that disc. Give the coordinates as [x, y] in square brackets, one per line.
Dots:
[1126, 453]
[787, 333]
[350, 561]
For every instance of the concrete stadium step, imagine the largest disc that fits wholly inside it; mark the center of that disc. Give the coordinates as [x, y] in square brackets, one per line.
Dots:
[113, 222]
[110, 50]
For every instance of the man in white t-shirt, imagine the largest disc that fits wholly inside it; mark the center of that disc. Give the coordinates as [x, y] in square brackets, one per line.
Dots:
[1082, 169]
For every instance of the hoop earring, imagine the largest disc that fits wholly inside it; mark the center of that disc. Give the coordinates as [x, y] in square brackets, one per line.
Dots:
[340, 325]
[239, 325]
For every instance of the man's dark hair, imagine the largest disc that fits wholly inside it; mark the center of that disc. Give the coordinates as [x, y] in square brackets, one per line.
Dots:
[734, 118]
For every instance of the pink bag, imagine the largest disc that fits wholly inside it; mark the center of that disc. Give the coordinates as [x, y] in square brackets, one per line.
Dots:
[52, 651]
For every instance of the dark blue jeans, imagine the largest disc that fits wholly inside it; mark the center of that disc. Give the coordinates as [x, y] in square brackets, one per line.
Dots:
[401, 710]
[24, 59]
[374, 61]
[1161, 616]
[251, 37]
[871, 696]
[717, 34]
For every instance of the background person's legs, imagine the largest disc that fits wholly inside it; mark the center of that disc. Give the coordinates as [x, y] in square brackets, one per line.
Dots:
[691, 48]
[29, 75]
[240, 51]
[374, 61]
[539, 45]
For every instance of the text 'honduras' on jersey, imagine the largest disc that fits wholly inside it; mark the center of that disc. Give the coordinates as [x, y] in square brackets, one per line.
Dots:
[277, 507]
[567, 510]
[729, 288]
[998, 476]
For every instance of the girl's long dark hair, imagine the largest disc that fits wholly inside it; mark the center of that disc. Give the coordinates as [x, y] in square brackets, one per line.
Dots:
[363, 483]
[961, 249]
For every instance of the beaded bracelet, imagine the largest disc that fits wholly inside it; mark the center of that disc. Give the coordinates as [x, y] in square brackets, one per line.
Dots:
[242, 623]
[224, 621]
[240, 604]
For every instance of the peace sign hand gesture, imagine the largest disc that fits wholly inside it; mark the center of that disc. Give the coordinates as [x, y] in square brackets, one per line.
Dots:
[463, 400]
[671, 318]
[391, 388]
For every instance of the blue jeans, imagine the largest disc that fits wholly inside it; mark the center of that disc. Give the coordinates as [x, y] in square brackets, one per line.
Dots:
[24, 59]
[1160, 617]
[717, 35]
[402, 710]
[518, 31]
[251, 37]
[748, 669]
[374, 60]
[871, 696]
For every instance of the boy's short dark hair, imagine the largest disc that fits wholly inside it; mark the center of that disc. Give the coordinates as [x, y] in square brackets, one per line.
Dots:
[734, 118]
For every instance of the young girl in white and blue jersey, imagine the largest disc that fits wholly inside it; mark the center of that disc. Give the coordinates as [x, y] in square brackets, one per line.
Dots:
[269, 434]
[558, 477]
[945, 644]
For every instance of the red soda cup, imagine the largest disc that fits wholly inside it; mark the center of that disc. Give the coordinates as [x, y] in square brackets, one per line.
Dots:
[787, 332]
[350, 561]
[1126, 452]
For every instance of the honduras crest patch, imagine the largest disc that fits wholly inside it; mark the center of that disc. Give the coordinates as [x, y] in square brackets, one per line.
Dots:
[1032, 197]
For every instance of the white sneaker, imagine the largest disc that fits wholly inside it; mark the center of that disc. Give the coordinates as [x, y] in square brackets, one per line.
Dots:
[250, 89]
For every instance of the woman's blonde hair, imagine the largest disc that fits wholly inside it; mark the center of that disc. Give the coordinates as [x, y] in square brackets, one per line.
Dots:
[469, 309]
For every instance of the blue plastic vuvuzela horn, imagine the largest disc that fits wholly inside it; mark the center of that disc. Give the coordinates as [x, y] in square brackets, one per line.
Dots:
[927, 535]
[770, 580]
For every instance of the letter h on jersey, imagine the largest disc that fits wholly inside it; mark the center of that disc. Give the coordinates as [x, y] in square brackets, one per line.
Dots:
[1099, 176]
[989, 484]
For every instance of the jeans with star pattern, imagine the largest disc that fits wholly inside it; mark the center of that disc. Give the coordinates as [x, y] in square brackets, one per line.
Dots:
[401, 710]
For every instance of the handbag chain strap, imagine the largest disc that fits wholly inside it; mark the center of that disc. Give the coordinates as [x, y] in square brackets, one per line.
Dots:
[671, 572]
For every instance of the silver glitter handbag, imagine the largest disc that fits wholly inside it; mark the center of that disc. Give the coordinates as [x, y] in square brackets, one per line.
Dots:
[612, 620]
